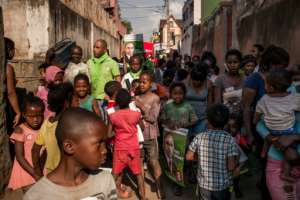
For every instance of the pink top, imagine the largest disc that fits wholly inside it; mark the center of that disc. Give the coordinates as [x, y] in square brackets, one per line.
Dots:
[42, 93]
[19, 177]
[124, 124]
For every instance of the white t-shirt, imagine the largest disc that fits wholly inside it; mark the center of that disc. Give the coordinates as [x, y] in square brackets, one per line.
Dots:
[279, 112]
[73, 70]
[99, 186]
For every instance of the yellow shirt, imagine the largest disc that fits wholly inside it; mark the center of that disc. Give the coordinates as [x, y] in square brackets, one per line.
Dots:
[46, 137]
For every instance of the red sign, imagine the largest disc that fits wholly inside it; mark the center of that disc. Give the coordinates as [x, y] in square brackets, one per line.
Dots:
[148, 47]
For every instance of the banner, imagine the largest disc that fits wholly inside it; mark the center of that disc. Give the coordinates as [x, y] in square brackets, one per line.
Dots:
[174, 146]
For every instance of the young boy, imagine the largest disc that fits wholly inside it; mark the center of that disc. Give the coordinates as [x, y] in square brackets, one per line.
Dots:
[75, 66]
[149, 104]
[216, 151]
[126, 146]
[81, 138]
[134, 73]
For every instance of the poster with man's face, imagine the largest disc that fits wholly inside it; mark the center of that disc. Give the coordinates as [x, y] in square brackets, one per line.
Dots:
[174, 145]
[129, 49]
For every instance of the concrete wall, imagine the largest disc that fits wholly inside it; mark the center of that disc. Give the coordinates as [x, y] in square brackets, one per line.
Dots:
[276, 24]
[36, 25]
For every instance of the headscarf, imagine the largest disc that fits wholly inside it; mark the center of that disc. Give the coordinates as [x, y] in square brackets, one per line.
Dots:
[51, 72]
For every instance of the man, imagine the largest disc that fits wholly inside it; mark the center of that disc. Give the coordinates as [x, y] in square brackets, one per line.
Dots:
[102, 69]
[129, 51]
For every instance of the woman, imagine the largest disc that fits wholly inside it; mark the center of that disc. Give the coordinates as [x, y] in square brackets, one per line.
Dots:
[199, 95]
[254, 89]
[228, 86]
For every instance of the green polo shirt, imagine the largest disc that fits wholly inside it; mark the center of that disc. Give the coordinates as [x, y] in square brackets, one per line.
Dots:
[102, 70]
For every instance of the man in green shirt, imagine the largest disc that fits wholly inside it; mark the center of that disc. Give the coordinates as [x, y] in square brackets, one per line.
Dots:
[102, 69]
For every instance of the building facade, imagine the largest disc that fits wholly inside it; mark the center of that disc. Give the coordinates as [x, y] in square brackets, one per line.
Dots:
[191, 18]
[170, 33]
[49, 21]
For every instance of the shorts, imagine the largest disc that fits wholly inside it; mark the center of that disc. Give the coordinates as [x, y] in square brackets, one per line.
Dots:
[124, 158]
[290, 131]
[150, 150]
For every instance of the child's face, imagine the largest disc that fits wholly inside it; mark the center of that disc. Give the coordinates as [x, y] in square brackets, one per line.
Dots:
[233, 64]
[145, 83]
[249, 68]
[59, 78]
[177, 95]
[33, 116]
[90, 150]
[135, 65]
[76, 55]
[233, 127]
[81, 88]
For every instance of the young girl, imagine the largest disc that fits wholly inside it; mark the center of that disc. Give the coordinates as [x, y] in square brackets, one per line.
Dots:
[134, 73]
[81, 97]
[228, 87]
[53, 76]
[75, 66]
[248, 64]
[178, 113]
[23, 174]
[58, 100]
[199, 95]
[13, 118]
[149, 104]
[126, 146]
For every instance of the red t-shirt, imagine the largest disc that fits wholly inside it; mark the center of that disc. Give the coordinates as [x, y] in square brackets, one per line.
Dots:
[124, 124]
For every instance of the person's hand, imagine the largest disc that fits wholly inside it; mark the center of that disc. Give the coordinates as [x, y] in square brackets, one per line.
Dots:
[16, 120]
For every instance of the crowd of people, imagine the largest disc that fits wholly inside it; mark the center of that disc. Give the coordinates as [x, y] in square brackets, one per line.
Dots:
[93, 114]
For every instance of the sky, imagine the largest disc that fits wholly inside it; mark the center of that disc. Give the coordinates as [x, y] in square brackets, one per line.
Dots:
[145, 15]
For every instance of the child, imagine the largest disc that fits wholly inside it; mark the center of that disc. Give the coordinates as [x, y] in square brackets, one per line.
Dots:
[75, 66]
[149, 104]
[134, 90]
[126, 146]
[278, 108]
[216, 151]
[80, 135]
[58, 99]
[134, 73]
[111, 89]
[248, 64]
[81, 97]
[53, 76]
[178, 113]
[23, 174]
[234, 128]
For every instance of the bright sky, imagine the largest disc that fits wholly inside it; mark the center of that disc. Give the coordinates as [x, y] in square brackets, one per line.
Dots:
[144, 15]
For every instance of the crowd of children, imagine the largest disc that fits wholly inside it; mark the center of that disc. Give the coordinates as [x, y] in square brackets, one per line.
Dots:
[66, 130]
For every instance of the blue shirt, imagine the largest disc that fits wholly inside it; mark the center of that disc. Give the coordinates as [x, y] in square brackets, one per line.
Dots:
[256, 82]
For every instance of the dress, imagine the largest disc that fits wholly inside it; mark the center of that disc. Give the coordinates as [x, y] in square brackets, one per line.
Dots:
[19, 177]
